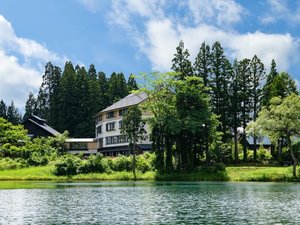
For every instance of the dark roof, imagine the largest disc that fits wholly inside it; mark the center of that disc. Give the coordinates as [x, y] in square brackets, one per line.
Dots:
[129, 100]
[42, 124]
[37, 119]
[264, 141]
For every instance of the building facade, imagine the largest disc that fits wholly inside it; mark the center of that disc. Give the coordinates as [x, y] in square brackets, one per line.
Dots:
[109, 139]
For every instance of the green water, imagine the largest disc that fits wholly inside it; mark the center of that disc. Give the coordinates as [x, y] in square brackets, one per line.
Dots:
[149, 203]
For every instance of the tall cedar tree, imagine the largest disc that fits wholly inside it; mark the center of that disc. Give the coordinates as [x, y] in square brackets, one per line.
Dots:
[268, 85]
[30, 106]
[202, 68]
[68, 104]
[95, 99]
[117, 87]
[219, 83]
[183, 68]
[103, 89]
[13, 114]
[257, 74]
[82, 115]
[131, 83]
[181, 64]
[245, 99]
[235, 105]
[3, 109]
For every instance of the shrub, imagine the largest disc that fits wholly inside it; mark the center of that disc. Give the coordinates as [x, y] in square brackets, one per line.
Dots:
[122, 163]
[95, 163]
[68, 165]
[8, 163]
[143, 164]
[263, 154]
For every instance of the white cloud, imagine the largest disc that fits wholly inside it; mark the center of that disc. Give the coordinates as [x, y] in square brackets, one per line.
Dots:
[22, 62]
[91, 5]
[221, 12]
[160, 31]
[163, 38]
[280, 10]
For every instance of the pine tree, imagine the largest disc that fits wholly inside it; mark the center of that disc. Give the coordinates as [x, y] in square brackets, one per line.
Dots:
[181, 64]
[3, 109]
[117, 87]
[202, 65]
[68, 104]
[220, 76]
[257, 74]
[82, 116]
[95, 100]
[266, 96]
[30, 106]
[13, 114]
[245, 98]
[131, 83]
[235, 105]
[103, 88]
[202, 68]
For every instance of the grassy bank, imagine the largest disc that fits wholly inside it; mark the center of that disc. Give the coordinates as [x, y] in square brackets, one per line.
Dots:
[229, 174]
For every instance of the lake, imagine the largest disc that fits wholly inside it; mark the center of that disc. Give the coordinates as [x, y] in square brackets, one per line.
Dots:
[149, 203]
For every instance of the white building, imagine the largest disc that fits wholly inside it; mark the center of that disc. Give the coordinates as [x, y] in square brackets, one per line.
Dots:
[110, 141]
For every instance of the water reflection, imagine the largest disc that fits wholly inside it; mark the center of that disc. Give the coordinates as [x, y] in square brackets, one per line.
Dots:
[151, 203]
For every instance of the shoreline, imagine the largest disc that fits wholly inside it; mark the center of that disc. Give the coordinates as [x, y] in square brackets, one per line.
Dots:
[230, 173]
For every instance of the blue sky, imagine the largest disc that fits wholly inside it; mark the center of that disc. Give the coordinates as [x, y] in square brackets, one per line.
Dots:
[133, 36]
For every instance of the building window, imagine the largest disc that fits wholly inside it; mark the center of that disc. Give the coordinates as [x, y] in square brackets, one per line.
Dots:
[78, 146]
[120, 124]
[110, 115]
[99, 129]
[122, 112]
[98, 119]
[110, 126]
[116, 139]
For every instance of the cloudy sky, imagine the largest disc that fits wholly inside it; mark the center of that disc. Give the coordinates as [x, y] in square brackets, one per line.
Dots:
[133, 36]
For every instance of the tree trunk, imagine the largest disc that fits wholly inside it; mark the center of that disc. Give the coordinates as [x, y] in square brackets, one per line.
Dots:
[279, 150]
[207, 153]
[133, 160]
[236, 153]
[255, 148]
[295, 161]
[169, 166]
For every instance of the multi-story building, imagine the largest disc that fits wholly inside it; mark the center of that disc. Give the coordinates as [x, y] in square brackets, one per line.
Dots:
[110, 141]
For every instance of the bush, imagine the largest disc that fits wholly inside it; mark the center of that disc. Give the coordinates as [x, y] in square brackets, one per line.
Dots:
[8, 163]
[143, 164]
[263, 154]
[68, 165]
[94, 164]
[122, 163]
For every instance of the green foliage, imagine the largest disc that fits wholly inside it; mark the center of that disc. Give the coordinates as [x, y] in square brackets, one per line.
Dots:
[71, 165]
[8, 163]
[263, 154]
[95, 163]
[122, 163]
[68, 165]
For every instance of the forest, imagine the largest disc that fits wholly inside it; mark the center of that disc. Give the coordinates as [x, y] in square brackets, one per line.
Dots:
[69, 99]
[202, 110]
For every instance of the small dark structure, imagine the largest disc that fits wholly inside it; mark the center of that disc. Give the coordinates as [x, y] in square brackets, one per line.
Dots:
[38, 127]
[264, 142]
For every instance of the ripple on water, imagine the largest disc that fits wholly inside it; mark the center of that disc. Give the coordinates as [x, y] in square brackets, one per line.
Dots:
[153, 203]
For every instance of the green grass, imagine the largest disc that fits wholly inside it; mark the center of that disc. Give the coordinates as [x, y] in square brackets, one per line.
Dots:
[252, 173]
[238, 173]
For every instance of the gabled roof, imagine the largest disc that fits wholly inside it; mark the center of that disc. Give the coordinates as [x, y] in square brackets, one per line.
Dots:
[37, 119]
[42, 124]
[46, 128]
[129, 100]
[264, 140]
